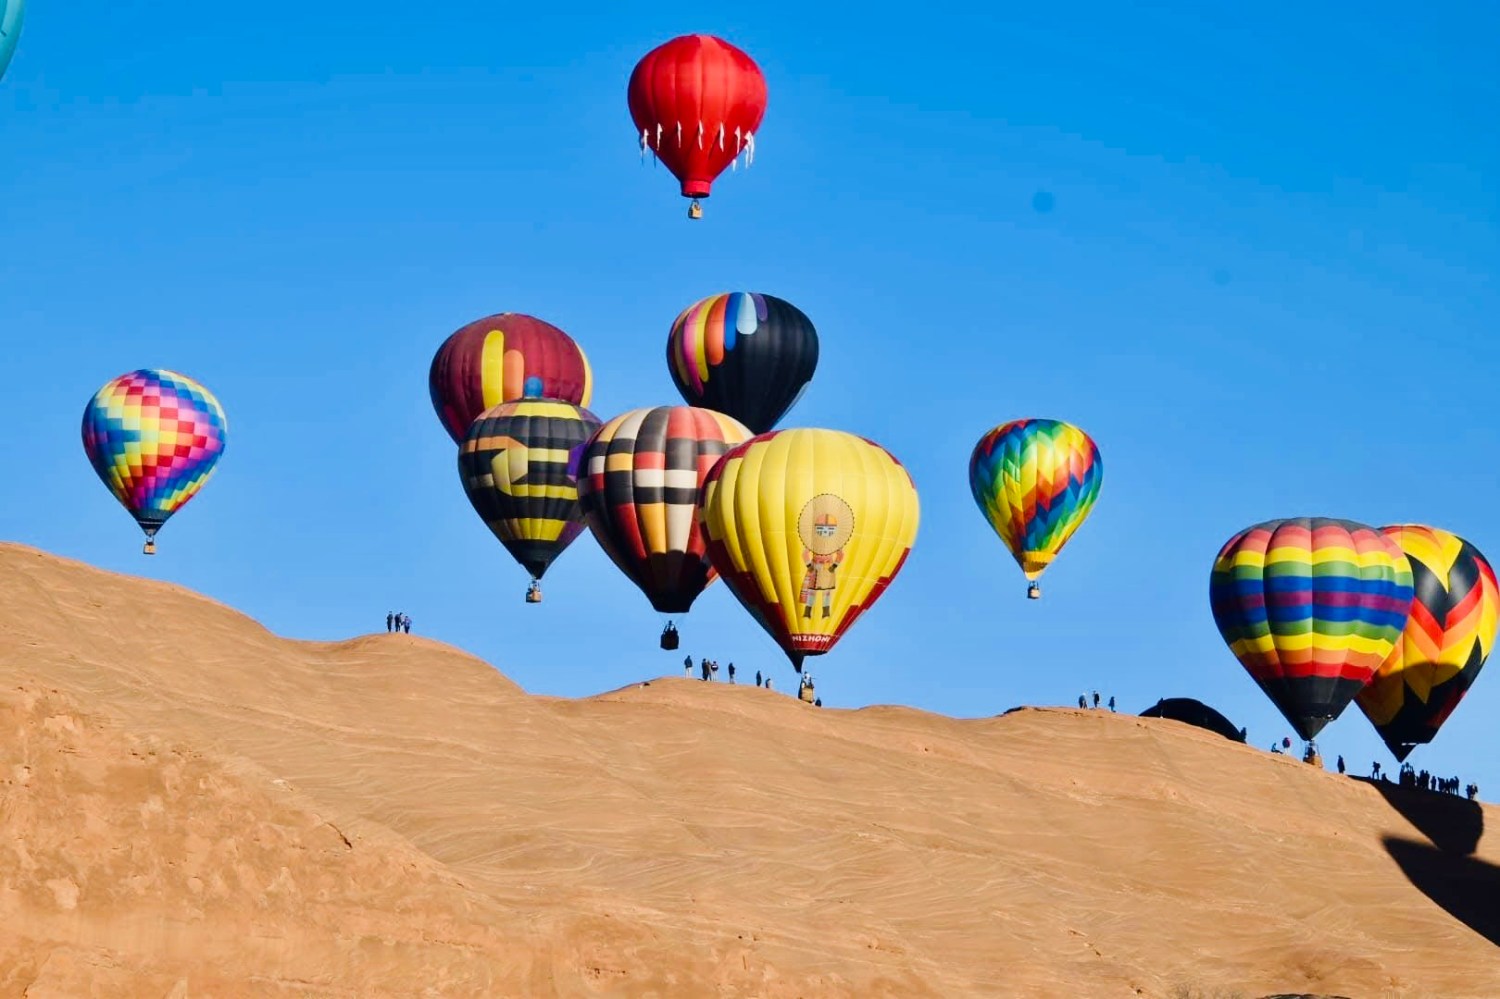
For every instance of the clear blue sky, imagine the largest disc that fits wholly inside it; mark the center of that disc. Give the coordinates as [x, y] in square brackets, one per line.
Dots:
[1266, 287]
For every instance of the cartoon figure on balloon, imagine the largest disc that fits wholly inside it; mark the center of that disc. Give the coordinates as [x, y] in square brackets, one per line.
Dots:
[825, 526]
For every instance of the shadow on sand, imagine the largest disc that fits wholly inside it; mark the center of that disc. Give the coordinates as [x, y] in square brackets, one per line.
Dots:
[1444, 869]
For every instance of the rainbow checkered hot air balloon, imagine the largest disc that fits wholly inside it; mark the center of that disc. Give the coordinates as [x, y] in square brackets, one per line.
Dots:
[1447, 638]
[1035, 481]
[153, 436]
[1311, 607]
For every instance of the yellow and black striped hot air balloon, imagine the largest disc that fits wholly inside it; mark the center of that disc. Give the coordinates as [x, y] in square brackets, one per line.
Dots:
[808, 527]
[1448, 636]
[519, 466]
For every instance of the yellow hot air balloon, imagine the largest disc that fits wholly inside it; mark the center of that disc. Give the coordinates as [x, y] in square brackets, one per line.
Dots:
[807, 528]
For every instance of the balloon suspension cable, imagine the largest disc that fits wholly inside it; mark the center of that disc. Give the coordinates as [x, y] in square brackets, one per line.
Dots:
[695, 210]
[1034, 590]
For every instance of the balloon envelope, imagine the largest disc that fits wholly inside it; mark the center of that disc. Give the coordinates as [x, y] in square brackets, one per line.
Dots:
[153, 437]
[519, 466]
[808, 527]
[1448, 636]
[1035, 482]
[745, 354]
[639, 492]
[696, 102]
[1310, 606]
[502, 358]
[12, 13]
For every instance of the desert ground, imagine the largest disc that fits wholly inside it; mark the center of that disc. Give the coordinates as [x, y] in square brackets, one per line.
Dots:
[193, 806]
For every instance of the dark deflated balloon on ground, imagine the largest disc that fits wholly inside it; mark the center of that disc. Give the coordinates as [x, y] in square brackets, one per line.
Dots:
[745, 354]
[1311, 606]
[1448, 636]
[519, 467]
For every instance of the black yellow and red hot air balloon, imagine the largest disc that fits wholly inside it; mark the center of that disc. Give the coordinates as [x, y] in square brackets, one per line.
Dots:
[1448, 636]
[519, 467]
[502, 358]
[1311, 607]
[697, 102]
[745, 354]
[639, 490]
[1035, 481]
[808, 527]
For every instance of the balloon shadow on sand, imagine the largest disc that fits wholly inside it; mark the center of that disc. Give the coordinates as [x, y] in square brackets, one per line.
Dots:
[1444, 869]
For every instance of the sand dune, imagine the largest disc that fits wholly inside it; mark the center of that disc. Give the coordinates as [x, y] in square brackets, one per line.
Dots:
[192, 806]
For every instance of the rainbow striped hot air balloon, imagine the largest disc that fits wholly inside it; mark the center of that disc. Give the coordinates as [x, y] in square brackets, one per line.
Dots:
[1311, 607]
[1447, 638]
[1035, 481]
[154, 437]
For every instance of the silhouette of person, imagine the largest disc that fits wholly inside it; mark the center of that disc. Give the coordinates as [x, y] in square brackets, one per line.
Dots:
[731, 672]
[1083, 702]
[757, 678]
[406, 624]
[703, 668]
[768, 683]
[1096, 698]
[687, 665]
[1111, 702]
[818, 702]
[1341, 764]
[390, 620]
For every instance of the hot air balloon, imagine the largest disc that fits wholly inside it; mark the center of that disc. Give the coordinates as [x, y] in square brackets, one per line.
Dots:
[808, 527]
[745, 354]
[519, 466]
[502, 358]
[697, 102]
[12, 13]
[639, 490]
[1447, 638]
[1035, 481]
[1311, 607]
[154, 437]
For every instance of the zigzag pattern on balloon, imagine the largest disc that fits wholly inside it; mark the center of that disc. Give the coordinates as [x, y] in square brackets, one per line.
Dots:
[1448, 636]
[153, 437]
[1036, 481]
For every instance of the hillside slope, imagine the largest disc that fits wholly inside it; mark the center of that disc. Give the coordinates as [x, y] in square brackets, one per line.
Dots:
[190, 805]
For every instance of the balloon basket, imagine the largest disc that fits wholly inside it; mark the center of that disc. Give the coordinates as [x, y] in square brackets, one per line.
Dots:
[149, 548]
[807, 693]
[1034, 591]
[669, 639]
[533, 596]
[695, 210]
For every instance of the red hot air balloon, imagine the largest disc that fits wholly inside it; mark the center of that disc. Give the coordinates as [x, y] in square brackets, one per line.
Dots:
[697, 102]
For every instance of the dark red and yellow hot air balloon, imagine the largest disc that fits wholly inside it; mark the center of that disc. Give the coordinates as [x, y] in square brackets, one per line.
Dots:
[697, 102]
[502, 358]
[1448, 636]
[639, 489]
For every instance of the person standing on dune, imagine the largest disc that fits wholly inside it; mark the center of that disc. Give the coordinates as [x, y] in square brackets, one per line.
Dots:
[390, 621]
[687, 667]
[757, 678]
[1083, 702]
[731, 672]
[406, 624]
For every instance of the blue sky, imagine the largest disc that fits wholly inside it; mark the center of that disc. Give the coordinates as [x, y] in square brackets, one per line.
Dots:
[1265, 286]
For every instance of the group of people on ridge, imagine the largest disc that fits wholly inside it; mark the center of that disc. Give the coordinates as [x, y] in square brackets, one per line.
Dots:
[1083, 701]
[397, 621]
